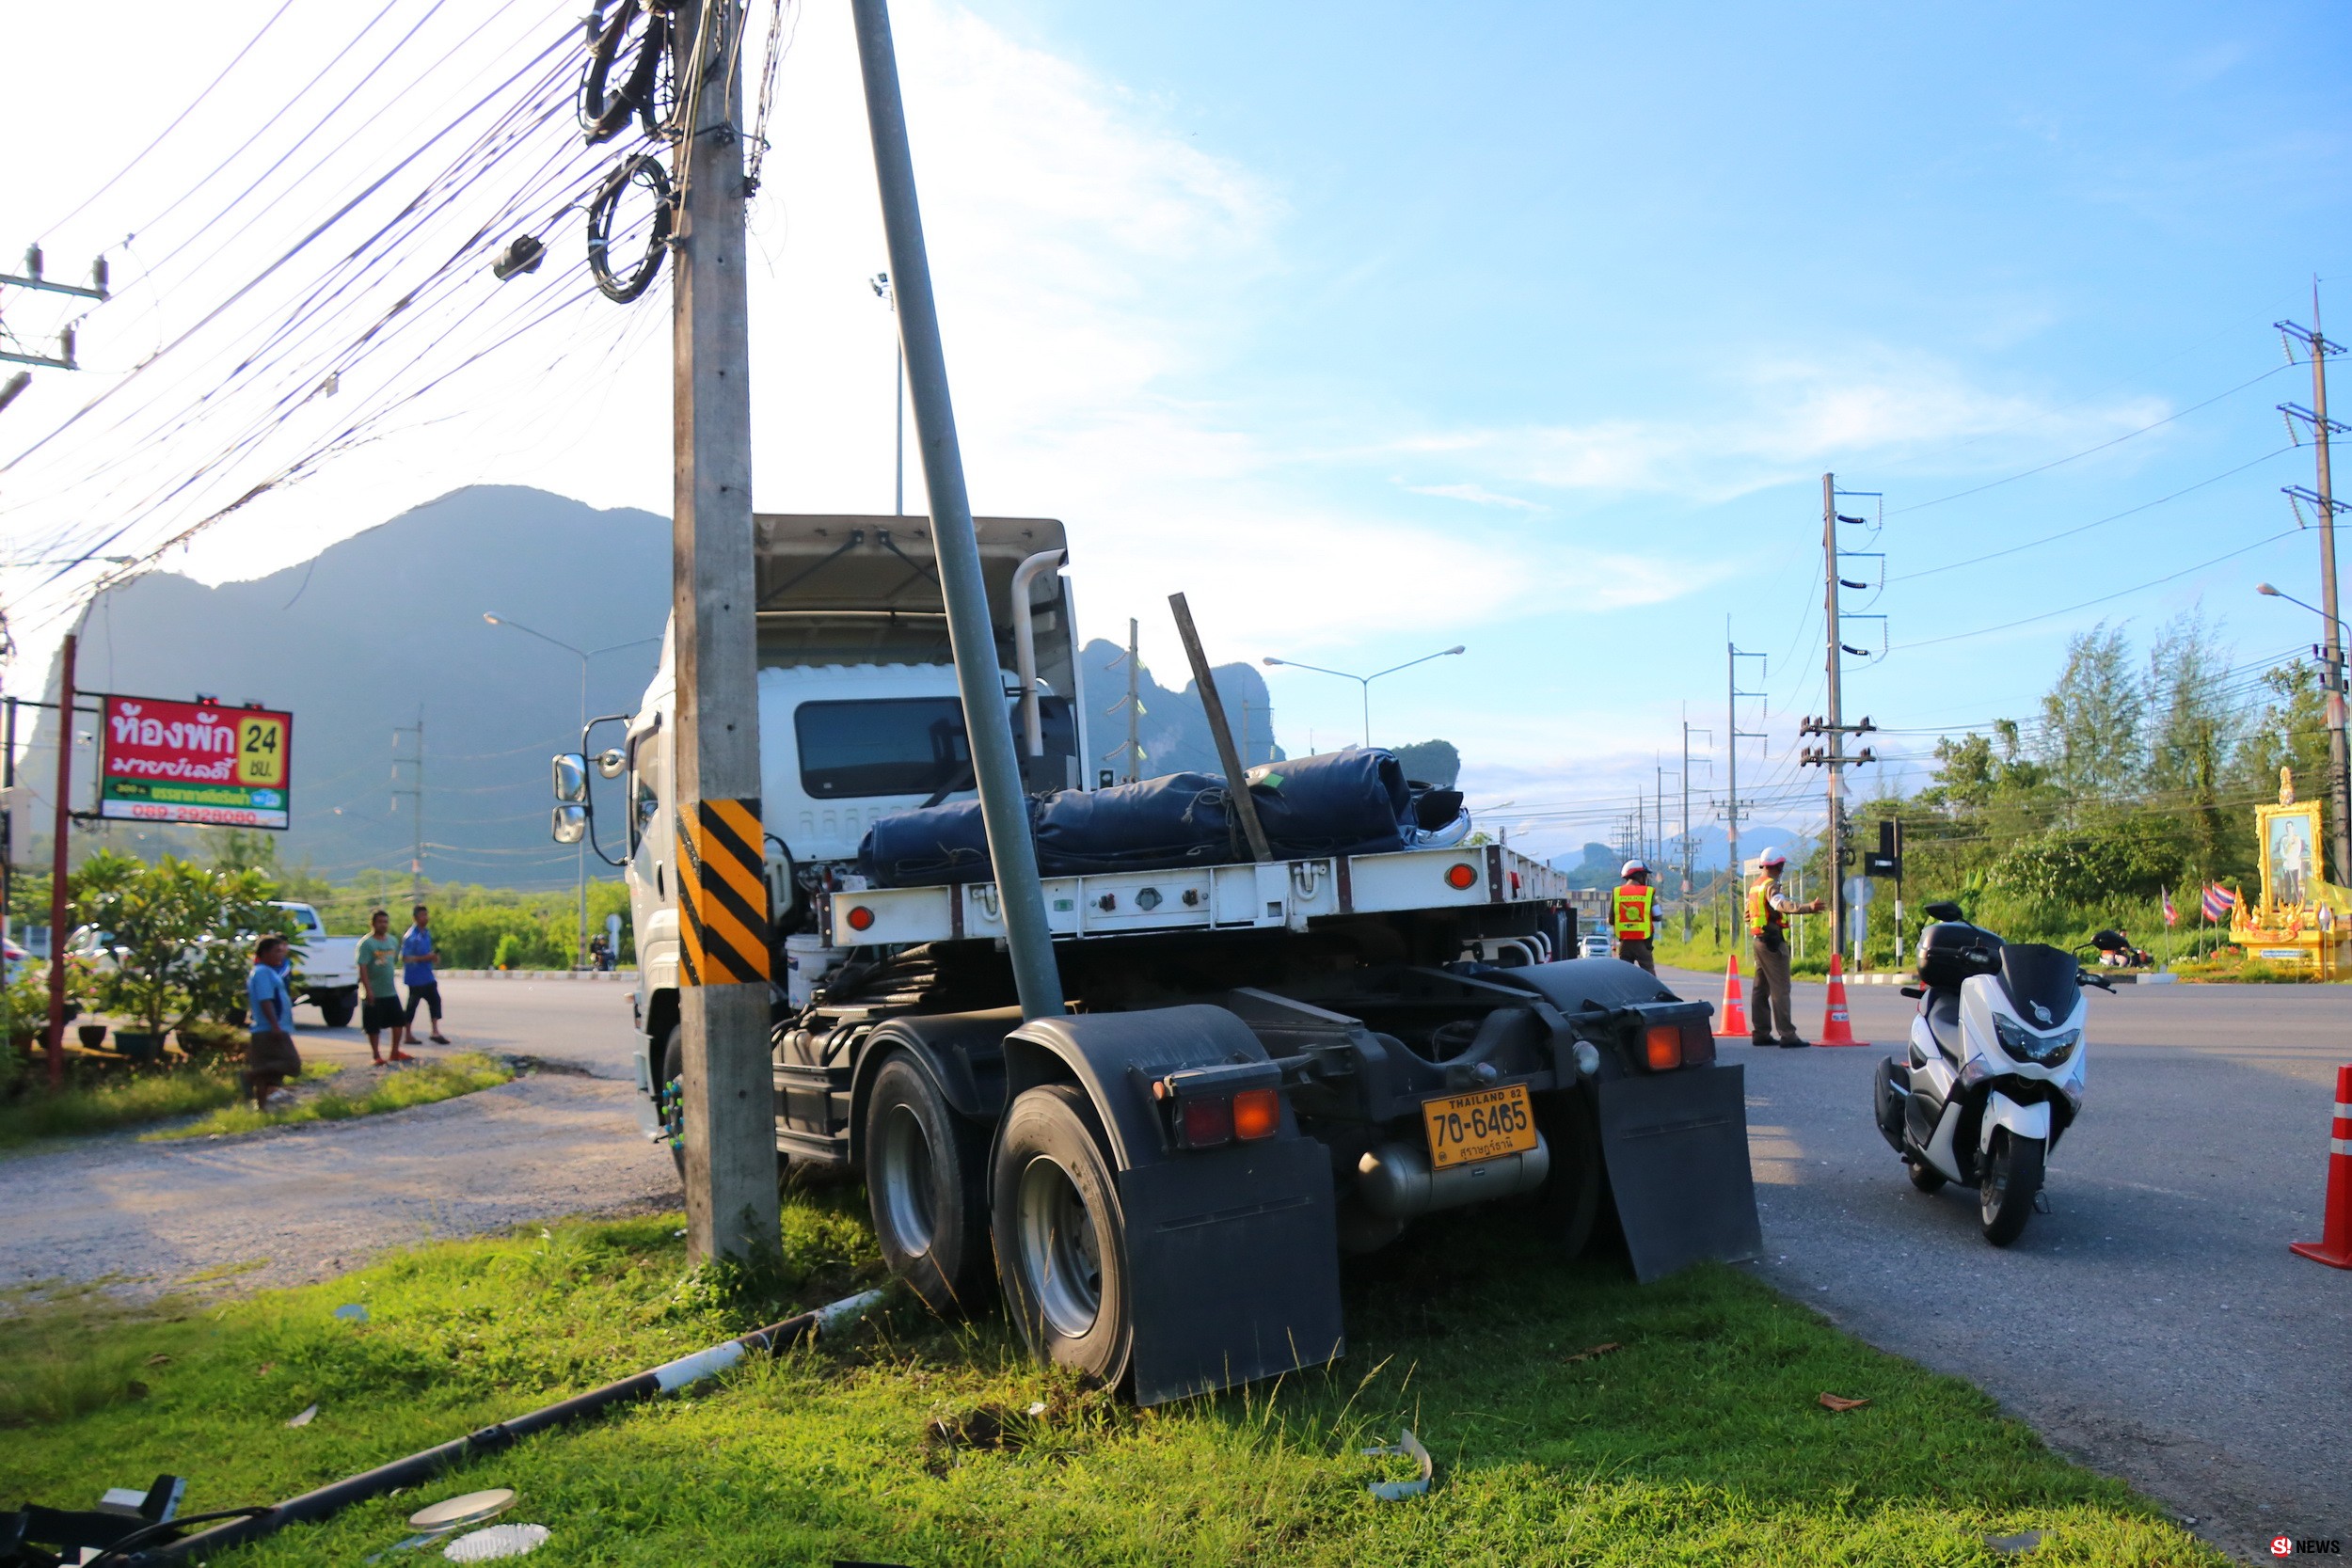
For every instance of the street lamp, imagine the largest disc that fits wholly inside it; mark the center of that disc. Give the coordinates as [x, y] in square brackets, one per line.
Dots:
[889, 296]
[1365, 681]
[584, 655]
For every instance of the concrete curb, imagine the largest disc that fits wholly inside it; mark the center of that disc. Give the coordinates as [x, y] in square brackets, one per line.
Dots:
[628, 975]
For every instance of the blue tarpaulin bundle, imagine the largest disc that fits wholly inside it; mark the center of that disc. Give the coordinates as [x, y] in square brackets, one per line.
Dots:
[1352, 803]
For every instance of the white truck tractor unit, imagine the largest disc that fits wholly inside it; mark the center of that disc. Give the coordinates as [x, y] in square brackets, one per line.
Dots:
[1265, 1064]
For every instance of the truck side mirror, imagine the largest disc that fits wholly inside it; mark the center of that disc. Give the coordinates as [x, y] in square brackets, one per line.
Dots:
[613, 763]
[571, 778]
[570, 825]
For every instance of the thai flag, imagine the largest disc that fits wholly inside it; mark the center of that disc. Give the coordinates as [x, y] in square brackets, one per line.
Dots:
[2219, 901]
[2171, 916]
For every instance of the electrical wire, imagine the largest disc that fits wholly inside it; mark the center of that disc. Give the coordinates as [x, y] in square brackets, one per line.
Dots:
[180, 118]
[2104, 598]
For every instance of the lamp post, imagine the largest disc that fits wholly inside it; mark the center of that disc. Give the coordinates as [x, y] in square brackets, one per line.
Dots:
[1365, 681]
[889, 296]
[2340, 786]
[584, 655]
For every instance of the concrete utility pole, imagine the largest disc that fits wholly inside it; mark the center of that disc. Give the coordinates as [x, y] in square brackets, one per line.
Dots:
[1734, 734]
[971, 635]
[730, 1142]
[2323, 501]
[57, 864]
[1836, 721]
[1135, 703]
[1685, 823]
[416, 800]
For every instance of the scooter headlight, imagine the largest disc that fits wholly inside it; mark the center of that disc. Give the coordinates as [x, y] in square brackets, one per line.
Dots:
[2023, 1045]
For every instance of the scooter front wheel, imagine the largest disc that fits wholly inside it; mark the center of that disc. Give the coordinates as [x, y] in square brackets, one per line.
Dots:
[2013, 1174]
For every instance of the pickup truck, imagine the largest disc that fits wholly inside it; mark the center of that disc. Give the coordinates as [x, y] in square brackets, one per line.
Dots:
[326, 969]
[1268, 1065]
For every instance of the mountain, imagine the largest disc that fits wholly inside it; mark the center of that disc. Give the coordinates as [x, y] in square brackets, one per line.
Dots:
[1596, 864]
[382, 629]
[1173, 730]
[387, 626]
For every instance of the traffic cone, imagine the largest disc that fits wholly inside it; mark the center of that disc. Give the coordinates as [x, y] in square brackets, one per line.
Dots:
[1735, 1010]
[1835, 1028]
[2335, 1250]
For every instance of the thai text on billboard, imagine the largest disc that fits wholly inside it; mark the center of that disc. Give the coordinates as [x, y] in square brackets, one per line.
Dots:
[162, 761]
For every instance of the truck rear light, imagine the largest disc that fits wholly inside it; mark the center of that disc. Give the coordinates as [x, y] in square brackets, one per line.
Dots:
[1461, 875]
[861, 918]
[1662, 1047]
[1257, 1114]
[1699, 1045]
[1206, 1121]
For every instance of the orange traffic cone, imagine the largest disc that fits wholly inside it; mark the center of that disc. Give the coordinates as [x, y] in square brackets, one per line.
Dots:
[1835, 1028]
[2335, 1249]
[1735, 1009]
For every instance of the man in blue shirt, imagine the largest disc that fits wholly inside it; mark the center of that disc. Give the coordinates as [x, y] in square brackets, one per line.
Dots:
[417, 958]
[271, 1058]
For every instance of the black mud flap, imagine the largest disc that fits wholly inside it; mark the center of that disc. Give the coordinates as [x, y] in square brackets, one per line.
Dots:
[1235, 1261]
[1677, 1146]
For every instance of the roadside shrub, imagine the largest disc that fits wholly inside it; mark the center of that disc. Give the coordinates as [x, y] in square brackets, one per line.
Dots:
[510, 952]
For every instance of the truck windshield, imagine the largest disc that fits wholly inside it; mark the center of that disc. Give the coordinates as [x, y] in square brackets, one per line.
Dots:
[900, 746]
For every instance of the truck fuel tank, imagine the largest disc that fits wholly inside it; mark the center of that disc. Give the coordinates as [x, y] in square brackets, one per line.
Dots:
[1396, 1184]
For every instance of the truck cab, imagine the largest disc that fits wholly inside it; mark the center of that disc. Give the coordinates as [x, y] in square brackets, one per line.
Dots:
[859, 718]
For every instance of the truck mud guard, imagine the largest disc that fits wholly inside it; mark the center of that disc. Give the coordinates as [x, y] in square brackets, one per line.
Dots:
[1676, 1146]
[1234, 1252]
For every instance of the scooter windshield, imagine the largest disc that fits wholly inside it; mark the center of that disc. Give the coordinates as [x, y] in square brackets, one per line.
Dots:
[2040, 981]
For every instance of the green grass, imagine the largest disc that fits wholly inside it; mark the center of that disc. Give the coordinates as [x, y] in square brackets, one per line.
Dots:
[124, 1101]
[1700, 1441]
[422, 1085]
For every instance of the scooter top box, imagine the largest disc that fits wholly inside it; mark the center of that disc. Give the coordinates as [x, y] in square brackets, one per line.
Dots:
[1950, 951]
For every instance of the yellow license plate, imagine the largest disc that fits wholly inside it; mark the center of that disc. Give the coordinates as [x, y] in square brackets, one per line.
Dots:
[1486, 1124]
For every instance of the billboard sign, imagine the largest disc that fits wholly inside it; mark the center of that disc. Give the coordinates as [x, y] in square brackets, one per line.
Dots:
[161, 761]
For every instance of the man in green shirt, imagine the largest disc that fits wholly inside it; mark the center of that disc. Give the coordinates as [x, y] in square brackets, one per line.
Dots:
[379, 1004]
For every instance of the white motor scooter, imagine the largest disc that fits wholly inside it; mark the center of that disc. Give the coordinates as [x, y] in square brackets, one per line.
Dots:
[1996, 1071]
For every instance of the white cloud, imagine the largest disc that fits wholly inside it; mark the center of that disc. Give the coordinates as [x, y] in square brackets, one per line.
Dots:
[1477, 495]
[1783, 419]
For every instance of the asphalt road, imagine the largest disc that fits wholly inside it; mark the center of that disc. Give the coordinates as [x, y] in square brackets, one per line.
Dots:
[293, 1204]
[2154, 1324]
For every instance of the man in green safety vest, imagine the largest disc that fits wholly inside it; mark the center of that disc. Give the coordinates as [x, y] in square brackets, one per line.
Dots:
[1769, 909]
[1633, 915]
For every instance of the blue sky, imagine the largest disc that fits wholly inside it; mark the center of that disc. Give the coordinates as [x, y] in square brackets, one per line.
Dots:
[1530, 327]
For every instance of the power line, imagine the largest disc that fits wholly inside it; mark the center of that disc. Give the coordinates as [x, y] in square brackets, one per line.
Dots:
[2104, 598]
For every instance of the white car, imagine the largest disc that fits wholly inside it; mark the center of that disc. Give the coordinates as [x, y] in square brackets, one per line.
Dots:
[1594, 944]
[328, 966]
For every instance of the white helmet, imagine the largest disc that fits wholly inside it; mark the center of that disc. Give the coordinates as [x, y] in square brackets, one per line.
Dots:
[1771, 857]
[1630, 867]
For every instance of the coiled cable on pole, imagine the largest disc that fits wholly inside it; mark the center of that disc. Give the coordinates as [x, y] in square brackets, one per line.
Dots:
[638, 170]
[638, 35]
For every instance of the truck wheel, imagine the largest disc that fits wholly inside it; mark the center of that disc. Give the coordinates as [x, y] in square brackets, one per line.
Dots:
[1060, 1237]
[336, 1007]
[669, 1098]
[1570, 1199]
[926, 1171]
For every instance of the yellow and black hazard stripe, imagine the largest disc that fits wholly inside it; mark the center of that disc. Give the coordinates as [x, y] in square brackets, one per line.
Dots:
[723, 897]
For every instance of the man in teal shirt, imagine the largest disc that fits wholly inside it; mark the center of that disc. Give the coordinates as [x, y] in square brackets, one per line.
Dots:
[379, 1000]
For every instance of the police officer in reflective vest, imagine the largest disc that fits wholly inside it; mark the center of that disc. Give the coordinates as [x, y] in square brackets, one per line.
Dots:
[1769, 909]
[1633, 915]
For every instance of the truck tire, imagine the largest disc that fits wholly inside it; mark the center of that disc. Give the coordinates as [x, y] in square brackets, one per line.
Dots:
[336, 1007]
[1569, 1203]
[1061, 1252]
[926, 1181]
[669, 1098]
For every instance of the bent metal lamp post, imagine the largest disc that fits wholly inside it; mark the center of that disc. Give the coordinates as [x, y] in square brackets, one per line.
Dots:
[1365, 681]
